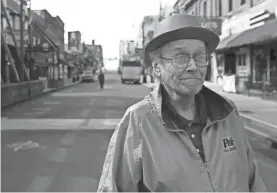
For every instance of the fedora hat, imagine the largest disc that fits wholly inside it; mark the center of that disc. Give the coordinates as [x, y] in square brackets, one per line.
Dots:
[179, 27]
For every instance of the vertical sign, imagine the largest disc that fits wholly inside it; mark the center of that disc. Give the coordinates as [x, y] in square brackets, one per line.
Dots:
[74, 41]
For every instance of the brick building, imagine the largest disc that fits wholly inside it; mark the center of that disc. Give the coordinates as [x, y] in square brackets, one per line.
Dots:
[48, 44]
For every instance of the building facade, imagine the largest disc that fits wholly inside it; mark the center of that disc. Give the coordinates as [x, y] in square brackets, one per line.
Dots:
[248, 46]
[48, 45]
[248, 36]
[12, 8]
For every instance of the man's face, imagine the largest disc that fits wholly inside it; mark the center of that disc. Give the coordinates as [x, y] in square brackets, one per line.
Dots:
[188, 79]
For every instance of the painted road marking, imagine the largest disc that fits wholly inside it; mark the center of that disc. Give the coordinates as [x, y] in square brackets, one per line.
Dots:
[83, 185]
[112, 113]
[36, 124]
[59, 155]
[68, 139]
[51, 102]
[105, 145]
[24, 145]
[58, 124]
[92, 102]
[40, 184]
[92, 94]
[85, 112]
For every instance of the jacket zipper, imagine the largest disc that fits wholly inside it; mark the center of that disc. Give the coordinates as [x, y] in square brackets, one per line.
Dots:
[205, 164]
[202, 163]
[198, 156]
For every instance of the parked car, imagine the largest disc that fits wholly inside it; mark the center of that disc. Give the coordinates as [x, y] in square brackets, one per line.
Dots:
[87, 76]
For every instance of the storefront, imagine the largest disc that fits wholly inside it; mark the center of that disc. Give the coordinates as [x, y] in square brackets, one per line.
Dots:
[256, 54]
[251, 54]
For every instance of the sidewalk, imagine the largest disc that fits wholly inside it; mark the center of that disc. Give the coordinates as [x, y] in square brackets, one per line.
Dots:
[250, 106]
[68, 83]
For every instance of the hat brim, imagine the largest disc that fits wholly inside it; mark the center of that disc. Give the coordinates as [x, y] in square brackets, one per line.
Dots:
[199, 33]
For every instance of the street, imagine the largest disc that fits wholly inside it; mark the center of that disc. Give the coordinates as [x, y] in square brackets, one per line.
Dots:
[58, 142]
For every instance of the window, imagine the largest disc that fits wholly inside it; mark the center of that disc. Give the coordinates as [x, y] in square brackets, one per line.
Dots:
[242, 2]
[16, 23]
[219, 8]
[260, 64]
[13, 21]
[273, 65]
[230, 5]
[242, 59]
[205, 9]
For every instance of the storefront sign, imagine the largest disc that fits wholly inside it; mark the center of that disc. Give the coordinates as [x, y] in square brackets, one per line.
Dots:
[242, 71]
[212, 23]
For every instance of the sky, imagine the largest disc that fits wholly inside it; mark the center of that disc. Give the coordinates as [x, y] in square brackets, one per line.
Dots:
[105, 21]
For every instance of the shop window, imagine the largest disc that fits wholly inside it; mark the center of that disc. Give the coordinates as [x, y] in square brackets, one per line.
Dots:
[219, 8]
[260, 65]
[242, 60]
[230, 5]
[242, 69]
[205, 9]
[273, 65]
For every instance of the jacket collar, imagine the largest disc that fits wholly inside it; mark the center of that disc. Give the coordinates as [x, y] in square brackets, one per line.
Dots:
[218, 107]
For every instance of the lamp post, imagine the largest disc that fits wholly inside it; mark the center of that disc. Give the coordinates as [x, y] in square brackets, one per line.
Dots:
[22, 29]
[30, 42]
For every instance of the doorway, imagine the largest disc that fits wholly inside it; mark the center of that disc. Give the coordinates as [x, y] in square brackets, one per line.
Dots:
[230, 63]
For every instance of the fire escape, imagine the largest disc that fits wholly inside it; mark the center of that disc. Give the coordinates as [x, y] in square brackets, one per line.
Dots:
[14, 62]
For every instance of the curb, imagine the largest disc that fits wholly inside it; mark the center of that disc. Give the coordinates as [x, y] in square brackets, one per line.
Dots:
[257, 126]
[37, 96]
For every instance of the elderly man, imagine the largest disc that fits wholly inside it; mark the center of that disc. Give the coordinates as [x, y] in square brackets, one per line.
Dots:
[183, 137]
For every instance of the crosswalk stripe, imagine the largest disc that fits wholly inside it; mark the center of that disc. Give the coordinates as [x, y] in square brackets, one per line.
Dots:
[58, 124]
[59, 155]
[40, 184]
[81, 184]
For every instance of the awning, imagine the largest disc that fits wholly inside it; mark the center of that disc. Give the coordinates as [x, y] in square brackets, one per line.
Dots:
[70, 64]
[259, 35]
[39, 58]
[48, 39]
[223, 44]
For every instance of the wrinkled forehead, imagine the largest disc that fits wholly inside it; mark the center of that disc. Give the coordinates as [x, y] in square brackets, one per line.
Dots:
[186, 45]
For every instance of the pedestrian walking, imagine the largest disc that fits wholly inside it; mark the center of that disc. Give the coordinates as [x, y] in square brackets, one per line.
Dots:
[101, 77]
[182, 137]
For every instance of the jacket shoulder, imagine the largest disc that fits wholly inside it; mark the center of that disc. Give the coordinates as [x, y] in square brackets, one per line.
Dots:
[140, 108]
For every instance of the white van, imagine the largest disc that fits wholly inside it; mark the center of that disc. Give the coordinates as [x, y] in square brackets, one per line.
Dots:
[131, 71]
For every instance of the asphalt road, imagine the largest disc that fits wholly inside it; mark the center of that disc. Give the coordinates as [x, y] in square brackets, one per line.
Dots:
[58, 142]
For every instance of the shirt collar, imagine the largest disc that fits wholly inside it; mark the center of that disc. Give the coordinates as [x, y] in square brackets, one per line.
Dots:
[201, 111]
[217, 107]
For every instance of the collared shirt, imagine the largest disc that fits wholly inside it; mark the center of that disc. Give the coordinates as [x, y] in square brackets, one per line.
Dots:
[194, 127]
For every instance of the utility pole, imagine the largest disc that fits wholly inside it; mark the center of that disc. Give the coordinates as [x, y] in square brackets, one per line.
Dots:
[160, 13]
[21, 73]
[30, 50]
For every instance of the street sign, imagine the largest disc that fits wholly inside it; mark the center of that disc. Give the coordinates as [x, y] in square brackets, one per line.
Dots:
[45, 46]
[211, 23]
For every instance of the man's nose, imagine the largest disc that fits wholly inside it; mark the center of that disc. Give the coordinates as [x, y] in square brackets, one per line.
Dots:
[191, 65]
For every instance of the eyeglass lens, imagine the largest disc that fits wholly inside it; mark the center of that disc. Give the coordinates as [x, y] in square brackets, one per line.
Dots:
[183, 60]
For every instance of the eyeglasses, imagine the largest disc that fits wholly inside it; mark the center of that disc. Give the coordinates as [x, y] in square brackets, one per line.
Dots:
[182, 61]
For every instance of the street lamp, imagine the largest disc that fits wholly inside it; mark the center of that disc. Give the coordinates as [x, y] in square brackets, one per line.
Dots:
[45, 47]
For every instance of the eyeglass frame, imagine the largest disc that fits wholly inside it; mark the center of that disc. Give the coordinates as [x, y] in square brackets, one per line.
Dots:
[190, 56]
